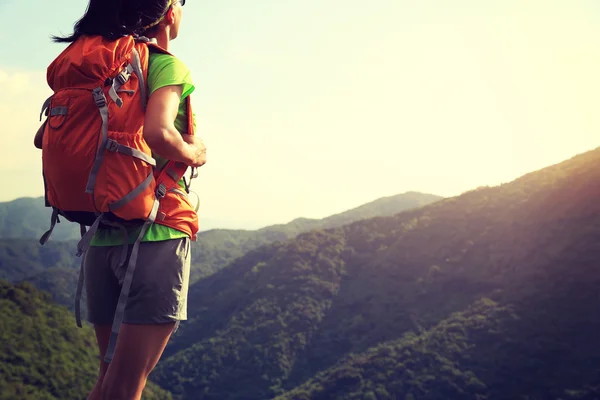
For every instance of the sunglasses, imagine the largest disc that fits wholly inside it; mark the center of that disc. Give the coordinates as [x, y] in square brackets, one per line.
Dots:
[182, 2]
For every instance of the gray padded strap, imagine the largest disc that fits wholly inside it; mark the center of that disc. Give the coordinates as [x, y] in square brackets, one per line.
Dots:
[78, 294]
[86, 239]
[82, 231]
[179, 192]
[133, 194]
[119, 81]
[113, 145]
[114, 96]
[137, 69]
[53, 221]
[197, 202]
[100, 100]
[59, 111]
[120, 311]
[173, 174]
[45, 106]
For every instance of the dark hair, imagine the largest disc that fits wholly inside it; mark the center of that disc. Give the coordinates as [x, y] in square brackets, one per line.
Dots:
[116, 18]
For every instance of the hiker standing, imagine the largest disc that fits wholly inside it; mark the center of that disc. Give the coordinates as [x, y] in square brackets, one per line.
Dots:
[116, 145]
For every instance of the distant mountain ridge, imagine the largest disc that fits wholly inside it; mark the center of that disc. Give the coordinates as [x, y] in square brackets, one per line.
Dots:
[29, 218]
[382, 207]
[54, 267]
[218, 247]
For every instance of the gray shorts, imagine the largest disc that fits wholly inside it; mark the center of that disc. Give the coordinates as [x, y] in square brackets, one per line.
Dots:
[159, 288]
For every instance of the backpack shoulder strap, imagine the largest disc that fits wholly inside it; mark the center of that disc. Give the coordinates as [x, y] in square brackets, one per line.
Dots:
[168, 177]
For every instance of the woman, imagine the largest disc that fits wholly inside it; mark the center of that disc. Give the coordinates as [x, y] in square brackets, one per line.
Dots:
[157, 299]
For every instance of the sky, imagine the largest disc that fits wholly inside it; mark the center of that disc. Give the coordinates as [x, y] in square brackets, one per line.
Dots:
[312, 107]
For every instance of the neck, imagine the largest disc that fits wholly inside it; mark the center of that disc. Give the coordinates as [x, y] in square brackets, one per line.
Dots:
[162, 38]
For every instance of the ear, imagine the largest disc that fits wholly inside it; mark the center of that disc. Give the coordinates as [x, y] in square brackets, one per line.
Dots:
[170, 16]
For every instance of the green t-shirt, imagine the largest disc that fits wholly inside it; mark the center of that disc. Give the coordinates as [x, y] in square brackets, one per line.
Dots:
[163, 70]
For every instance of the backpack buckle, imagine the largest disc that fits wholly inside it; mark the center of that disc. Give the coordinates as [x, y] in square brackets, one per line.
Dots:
[161, 191]
[99, 97]
[112, 145]
[124, 75]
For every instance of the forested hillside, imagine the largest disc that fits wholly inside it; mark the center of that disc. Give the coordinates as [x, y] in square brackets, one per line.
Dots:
[43, 355]
[490, 295]
[29, 218]
[24, 258]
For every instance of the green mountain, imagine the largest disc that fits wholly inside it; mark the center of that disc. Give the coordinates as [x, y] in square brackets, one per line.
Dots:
[216, 248]
[24, 258]
[28, 218]
[382, 207]
[43, 355]
[437, 364]
[489, 295]
[61, 283]
[53, 267]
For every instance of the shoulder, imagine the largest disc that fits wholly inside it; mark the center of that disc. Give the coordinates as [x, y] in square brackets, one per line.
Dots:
[162, 60]
[167, 69]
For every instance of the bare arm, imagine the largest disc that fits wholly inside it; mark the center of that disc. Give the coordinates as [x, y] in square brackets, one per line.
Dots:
[160, 132]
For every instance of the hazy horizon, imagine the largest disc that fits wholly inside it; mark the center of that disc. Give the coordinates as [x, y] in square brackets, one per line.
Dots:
[311, 109]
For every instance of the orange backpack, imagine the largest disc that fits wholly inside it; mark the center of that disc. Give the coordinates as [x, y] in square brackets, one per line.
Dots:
[97, 167]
